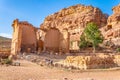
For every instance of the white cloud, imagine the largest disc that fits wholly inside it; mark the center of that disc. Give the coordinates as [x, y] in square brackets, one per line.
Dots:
[6, 35]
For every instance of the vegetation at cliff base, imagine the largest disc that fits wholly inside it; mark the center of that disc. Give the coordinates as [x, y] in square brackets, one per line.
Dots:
[91, 36]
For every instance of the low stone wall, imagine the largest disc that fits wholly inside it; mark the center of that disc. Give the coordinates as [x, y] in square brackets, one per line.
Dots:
[90, 62]
[117, 59]
[4, 54]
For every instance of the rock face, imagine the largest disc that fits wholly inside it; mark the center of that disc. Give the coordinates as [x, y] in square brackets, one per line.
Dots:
[75, 16]
[24, 37]
[70, 23]
[112, 30]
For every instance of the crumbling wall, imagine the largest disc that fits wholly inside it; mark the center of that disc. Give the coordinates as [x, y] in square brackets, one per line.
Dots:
[29, 38]
[16, 39]
[24, 37]
[52, 40]
[90, 62]
[64, 41]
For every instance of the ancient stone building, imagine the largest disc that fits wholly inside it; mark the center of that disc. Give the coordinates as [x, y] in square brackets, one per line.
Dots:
[24, 37]
[68, 24]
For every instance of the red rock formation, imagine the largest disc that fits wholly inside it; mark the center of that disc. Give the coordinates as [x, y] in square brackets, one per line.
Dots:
[71, 22]
[112, 30]
[75, 16]
[116, 15]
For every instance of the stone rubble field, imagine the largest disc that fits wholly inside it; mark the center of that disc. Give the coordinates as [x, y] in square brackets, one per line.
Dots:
[80, 62]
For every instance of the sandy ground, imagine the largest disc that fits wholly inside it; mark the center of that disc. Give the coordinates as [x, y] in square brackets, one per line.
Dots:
[32, 71]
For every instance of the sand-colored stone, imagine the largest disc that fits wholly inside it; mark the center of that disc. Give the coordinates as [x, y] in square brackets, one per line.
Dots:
[52, 40]
[24, 37]
[71, 22]
[112, 29]
[91, 62]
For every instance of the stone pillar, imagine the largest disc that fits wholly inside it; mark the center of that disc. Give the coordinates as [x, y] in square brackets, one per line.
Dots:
[65, 40]
[16, 42]
[68, 42]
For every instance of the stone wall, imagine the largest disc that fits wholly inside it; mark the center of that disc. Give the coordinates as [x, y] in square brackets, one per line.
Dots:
[52, 40]
[90, 62]
[29, 39]
[24, 37]
[16, 39]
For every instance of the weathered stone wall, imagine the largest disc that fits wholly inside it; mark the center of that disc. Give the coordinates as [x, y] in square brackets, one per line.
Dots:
[24, 37]
[16, 40]
[52, 40]
[64, 41]
[29, 38]
[90, 62]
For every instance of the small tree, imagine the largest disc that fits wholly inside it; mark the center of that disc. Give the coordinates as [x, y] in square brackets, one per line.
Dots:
[83, 42]
[93, 35]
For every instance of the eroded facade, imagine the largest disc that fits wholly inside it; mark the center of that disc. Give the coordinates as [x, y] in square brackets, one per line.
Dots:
[24, 37]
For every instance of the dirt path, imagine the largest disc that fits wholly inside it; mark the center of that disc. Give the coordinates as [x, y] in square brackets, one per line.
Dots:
[32, 71]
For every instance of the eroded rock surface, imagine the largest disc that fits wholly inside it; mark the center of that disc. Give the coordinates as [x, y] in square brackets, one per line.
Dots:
[112, 30]
[70, 22]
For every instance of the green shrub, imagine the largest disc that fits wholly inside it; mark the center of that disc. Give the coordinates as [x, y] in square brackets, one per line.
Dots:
[118, 49]
[91, 36]
[6, 61]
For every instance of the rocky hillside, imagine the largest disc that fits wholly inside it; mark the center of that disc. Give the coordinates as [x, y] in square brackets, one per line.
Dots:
[5, 43]
[75, 16]
[112, 29]
[4, 38]
[115, 17]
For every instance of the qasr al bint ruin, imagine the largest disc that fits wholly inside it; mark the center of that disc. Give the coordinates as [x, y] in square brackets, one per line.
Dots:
[61, 31]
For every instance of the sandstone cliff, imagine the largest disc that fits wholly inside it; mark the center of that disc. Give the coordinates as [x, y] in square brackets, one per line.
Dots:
[75, 16]
[112, 30]
[70, 23]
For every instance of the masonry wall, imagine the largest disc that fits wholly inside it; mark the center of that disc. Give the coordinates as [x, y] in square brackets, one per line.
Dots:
[52, 40]
[24, 37]
[29, 39]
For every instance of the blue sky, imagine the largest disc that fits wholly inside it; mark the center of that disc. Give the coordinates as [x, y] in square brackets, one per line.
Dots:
[34, 11]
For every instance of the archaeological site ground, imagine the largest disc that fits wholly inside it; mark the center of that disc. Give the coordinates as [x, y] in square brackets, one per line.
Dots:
[62, 49]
